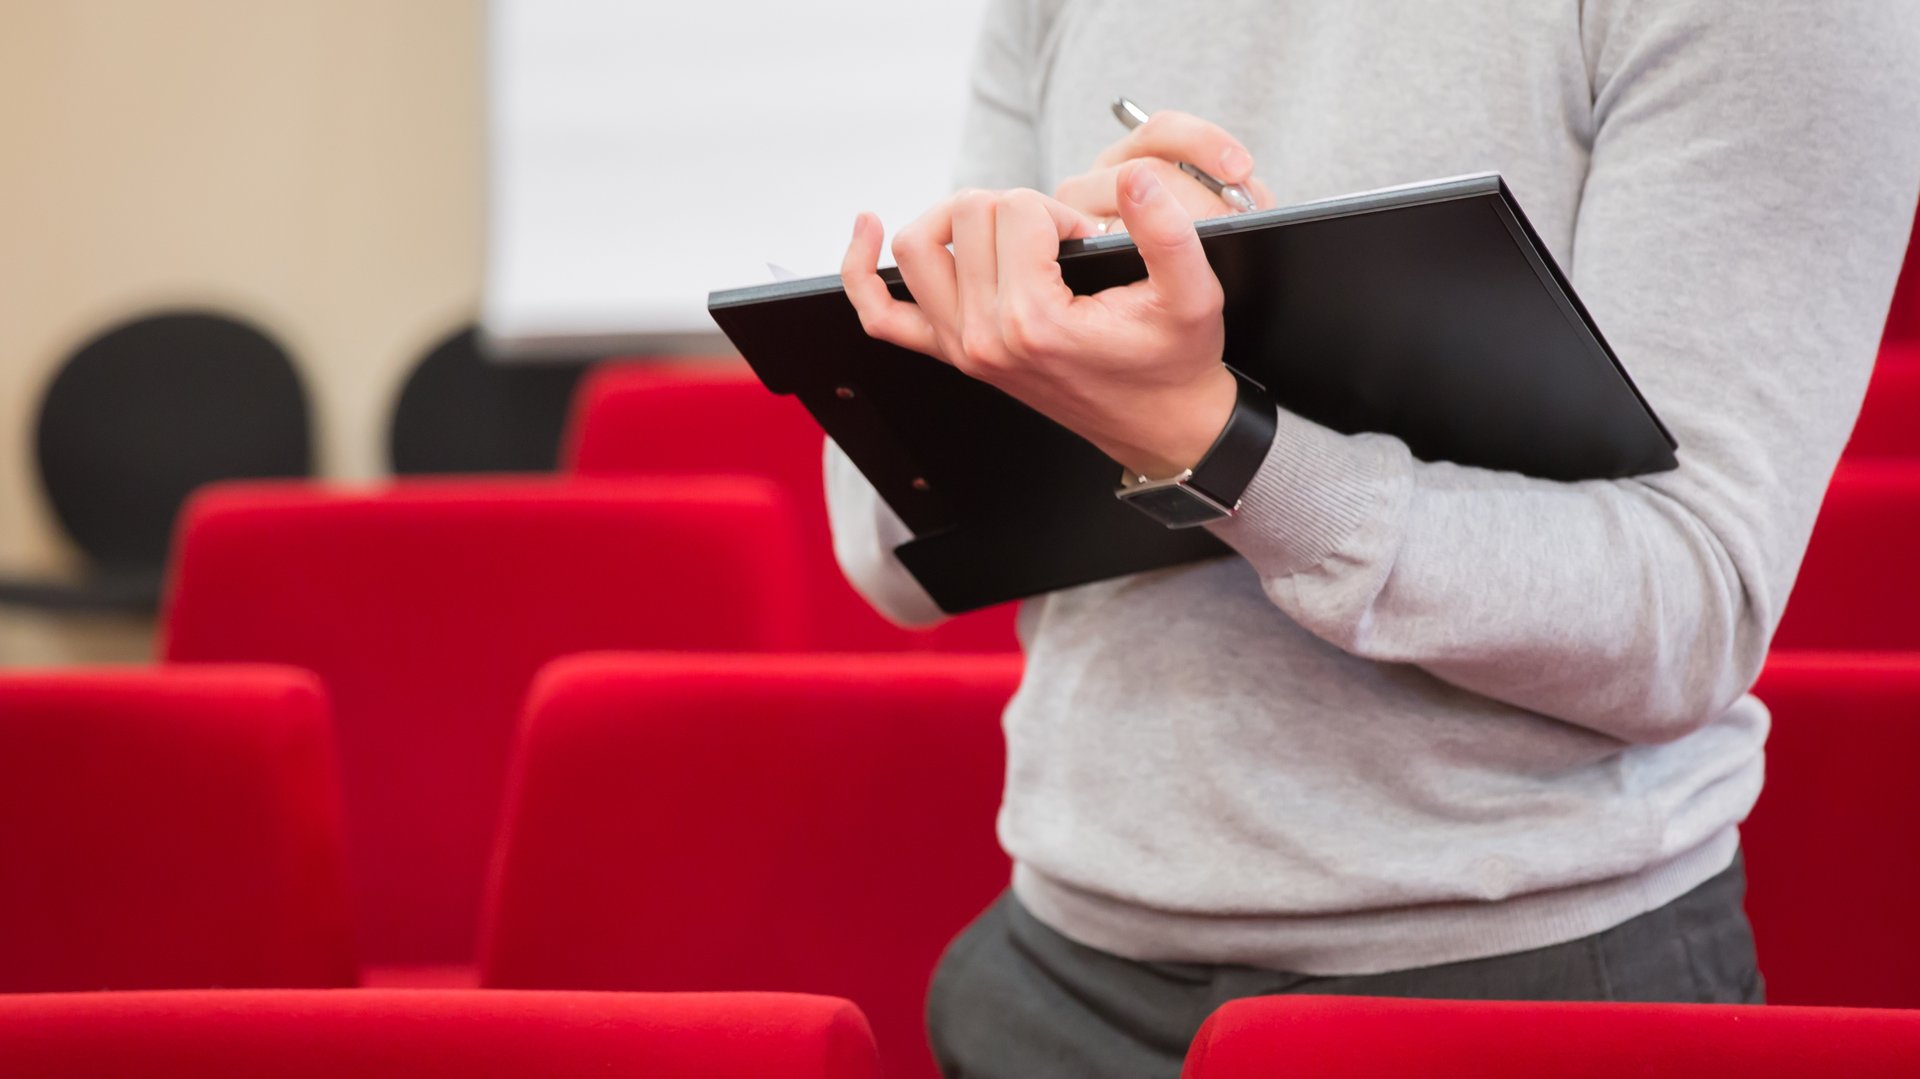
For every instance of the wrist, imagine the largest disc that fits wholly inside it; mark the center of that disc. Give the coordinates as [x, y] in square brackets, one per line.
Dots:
[1181, 427]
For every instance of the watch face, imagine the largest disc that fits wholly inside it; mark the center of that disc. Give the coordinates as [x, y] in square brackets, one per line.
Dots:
[1174, 506]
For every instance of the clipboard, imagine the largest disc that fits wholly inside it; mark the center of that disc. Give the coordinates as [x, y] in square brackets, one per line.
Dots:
[1430, 312]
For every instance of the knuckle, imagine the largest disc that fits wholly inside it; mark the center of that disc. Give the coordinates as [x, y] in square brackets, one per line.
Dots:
[908, 240]
[981, 351]
[1205, 304]
[1027, 334]
[877, 325]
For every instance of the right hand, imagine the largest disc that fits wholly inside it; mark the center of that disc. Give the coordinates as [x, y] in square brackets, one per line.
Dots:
[1166, 139]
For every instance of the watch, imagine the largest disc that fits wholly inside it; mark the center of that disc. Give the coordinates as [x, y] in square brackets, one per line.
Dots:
[1210, 491]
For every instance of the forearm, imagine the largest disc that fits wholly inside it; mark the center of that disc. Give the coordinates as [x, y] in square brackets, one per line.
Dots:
[1606, 604]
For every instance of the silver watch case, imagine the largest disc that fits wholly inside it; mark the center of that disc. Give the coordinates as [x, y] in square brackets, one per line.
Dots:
[1174, 502]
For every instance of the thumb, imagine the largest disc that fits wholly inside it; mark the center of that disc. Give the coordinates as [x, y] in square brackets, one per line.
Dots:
[1163, 233]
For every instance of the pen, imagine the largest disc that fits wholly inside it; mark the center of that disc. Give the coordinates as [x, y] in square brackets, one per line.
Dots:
[1236, 196]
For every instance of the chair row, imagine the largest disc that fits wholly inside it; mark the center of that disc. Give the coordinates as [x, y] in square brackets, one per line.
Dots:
[673, 419]
[677, 822]
[417, 1034]
[495, 1034]
[730, 822]
[713, 418]
[427, 607]
[656, 417]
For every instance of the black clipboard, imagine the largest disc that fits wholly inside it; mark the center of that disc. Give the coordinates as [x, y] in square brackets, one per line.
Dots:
[1430, 312]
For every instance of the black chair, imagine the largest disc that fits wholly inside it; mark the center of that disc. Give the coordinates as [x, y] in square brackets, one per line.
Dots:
[133, 422]
[461, 412]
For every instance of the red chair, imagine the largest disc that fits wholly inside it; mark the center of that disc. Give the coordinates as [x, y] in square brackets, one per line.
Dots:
[815, 824]
[1889, 425]
[1373, 1038]
[1859, 589]
[417, 1034]
[1831, 865]
[633, 419]
[169, 828]
[428, 606]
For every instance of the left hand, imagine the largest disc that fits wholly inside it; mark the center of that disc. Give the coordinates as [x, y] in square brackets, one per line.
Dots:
[1135, 370]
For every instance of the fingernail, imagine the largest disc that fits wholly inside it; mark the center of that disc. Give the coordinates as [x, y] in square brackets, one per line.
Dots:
[1142, 185]
[1235, 163]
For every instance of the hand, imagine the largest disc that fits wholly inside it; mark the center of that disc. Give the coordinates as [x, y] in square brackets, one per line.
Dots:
[1135, 370]
[1166, 139]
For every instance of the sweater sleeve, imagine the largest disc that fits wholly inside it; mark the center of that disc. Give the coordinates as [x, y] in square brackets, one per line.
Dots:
[1751, 184]
[999, 148]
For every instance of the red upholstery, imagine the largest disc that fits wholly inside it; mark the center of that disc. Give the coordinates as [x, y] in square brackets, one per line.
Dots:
[427, 607]
[403, 1034]
[1833, 875]
[1858, 587]
[169, 828]
[709, 418]
[1365, 1038]
[1889, 424]
[1903, 322]
[807, 823]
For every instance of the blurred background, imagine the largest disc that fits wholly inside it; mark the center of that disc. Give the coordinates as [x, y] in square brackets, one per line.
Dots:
[346, 240]
[349, 238]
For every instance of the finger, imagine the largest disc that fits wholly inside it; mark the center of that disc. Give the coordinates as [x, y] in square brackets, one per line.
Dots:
[1178, 136]
[974, 257]
[1094, 193]
[1163, 233]
[926, 267]
[1033, 297]
[1262, 198]
[882, 316]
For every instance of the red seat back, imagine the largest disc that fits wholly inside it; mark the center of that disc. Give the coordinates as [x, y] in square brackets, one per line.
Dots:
[806, 823]
[169, 828]
[712, 418]
[416, 1034]
[1371, 1038]
[1903, 321]
[1831, 848]
[428, 606]
[1889, 425]
[1858, 588]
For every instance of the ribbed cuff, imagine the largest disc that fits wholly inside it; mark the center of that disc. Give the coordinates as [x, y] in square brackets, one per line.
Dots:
[1314, 489]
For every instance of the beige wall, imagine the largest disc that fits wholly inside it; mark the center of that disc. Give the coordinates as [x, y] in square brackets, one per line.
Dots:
[313, 165]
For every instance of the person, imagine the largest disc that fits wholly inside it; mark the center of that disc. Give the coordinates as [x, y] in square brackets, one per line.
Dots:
[1433, 730]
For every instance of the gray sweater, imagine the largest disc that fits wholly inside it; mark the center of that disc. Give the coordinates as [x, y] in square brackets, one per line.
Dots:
[1430, 712]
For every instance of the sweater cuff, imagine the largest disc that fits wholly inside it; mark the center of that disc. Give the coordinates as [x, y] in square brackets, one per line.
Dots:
[1312, 492]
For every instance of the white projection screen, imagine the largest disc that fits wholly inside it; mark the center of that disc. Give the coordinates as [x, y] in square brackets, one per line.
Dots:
[643, 152]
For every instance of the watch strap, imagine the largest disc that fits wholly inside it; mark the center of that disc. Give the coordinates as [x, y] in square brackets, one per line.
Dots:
[1229, 465]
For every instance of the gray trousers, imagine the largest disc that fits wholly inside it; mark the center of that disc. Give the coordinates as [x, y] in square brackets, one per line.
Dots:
[1014, 998]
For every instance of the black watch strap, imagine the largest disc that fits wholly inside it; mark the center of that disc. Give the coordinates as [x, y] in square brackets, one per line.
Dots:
[1231, 462]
